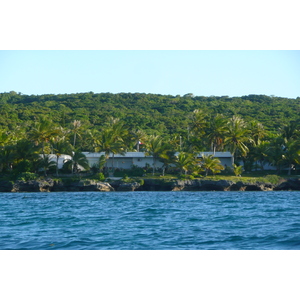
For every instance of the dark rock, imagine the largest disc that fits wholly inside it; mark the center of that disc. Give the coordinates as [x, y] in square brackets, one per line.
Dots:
[201, 185]
[6, 186]
[204, 185]
[48, 185]
[211, 185]
[93, 186]
[284, 186]
[246, 186]
[33, 185]
[253, 187]
[236, 186]
[158, 185]
[130, 186]
[58, 187]
[104, 187]
[184, 185]
[115, 184]
[291, 184]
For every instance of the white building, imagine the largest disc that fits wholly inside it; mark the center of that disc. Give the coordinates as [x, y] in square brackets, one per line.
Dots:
[61, 160]
[140, 159]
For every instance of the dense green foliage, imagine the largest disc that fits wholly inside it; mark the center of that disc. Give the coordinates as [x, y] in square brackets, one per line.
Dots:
[257, 129]
[163, 114]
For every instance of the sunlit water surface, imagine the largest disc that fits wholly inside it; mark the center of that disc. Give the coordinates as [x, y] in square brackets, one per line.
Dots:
[150, 220]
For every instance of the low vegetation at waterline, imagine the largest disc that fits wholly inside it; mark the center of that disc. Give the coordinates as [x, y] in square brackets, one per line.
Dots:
[28, 183]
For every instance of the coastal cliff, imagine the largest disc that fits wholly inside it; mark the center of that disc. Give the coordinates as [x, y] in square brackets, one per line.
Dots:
[50, 185]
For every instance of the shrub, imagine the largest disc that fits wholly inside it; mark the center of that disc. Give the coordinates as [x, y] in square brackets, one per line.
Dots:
[69, 180]
[126, 178]
[237, 170]
[101, 177]
[196, 174]
[273, 179]
[135, 171]
[24, 166]
[186, 177]
[25, 176]
[94, 169]
[140, 181]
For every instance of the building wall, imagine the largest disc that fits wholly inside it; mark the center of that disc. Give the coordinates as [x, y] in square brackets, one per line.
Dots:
[61, 159]
[141, 160]
[226, 161]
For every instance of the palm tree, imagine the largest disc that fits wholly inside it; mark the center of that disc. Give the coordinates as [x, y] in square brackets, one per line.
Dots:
[6, 151]
[256, 131]
[184, 161]
[211, 164]
[119, 134]
[199, 122]
[62, 132]
[42, 132]
[167, 156]
[237, 136]
[77, 160]
[215, 132]
[101, 163]
[155, 148]
[260, 152]
[106, 142]
[112, 139]
[46, 163]
[88, 138]
[76, 130]
[61, 146]
[290, 131]
[288, 143]
[176, 142]
[275, 152]
[7, 157]
[292, 154]
[26, 153]
[138, 136]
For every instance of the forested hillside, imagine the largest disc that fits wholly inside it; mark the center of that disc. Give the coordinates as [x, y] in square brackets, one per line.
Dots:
[162, 114]
[256, 129]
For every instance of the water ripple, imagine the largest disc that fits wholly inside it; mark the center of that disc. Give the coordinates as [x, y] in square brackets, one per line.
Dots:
[150, 220]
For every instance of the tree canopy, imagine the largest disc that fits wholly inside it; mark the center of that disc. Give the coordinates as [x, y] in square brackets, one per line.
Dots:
[254, 128]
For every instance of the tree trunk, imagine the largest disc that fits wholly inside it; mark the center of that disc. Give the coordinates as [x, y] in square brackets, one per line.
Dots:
[74, 141]
[290, 169]
[154, 162]
[43, 150]
[57, 157]
[261, 165]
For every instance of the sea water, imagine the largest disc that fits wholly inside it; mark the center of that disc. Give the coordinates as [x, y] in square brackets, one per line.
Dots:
[150, 220]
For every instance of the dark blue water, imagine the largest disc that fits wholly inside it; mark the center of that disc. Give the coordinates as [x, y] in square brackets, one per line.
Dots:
[150, 220]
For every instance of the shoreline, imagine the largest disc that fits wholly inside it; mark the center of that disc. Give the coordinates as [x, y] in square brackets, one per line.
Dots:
[50, 185]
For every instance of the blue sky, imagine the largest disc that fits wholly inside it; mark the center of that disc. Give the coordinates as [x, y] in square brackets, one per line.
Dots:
[201, 72]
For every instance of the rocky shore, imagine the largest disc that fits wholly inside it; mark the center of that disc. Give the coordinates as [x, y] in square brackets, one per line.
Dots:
[50, 185]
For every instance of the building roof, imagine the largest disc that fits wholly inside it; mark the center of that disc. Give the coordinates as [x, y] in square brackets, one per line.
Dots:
[143, 154]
